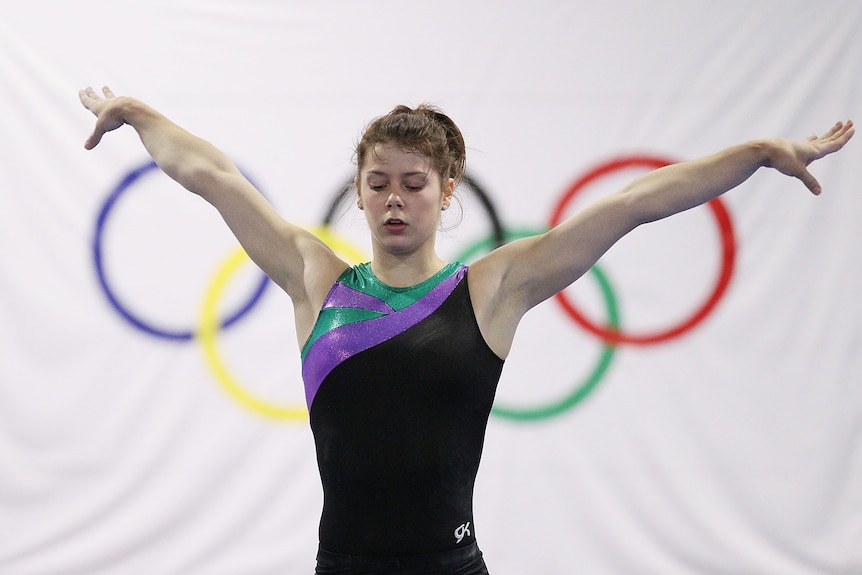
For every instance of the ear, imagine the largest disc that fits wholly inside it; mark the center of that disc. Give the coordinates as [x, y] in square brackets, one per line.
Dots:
[358, 195]
[448, 190]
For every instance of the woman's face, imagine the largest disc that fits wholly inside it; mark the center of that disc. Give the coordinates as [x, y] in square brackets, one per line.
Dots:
[402, 197]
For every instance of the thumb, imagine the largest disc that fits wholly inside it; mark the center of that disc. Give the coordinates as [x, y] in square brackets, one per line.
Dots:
[810, 182]
[92, 141]
[94, 138]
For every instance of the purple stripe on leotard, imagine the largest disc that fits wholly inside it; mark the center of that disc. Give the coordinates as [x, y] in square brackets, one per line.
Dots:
[345, 341]
[344, 296]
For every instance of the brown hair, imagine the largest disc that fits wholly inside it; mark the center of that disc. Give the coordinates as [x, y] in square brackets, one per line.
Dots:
[426, 131]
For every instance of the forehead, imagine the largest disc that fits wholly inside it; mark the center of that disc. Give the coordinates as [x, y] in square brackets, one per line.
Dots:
[393, 159]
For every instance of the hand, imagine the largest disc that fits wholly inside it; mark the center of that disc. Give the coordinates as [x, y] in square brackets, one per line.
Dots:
[792, 157]
[108, 111]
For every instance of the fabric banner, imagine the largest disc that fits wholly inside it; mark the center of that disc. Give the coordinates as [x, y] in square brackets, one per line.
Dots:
[152, 418]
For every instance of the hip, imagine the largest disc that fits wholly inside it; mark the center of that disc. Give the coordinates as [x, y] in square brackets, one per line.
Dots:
[464, 561]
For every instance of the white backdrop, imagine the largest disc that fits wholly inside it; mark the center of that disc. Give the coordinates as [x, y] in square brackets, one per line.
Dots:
[135, 439]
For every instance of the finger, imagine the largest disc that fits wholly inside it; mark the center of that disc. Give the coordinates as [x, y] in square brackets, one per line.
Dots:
[96, 136]
[838, 126]
[851, 129]
[837, 140]
[87, 97]
[86, 93]
[107, 92]
[92, 141]
[845, 132]
[820, 140]
[810, 182]
[839, 131]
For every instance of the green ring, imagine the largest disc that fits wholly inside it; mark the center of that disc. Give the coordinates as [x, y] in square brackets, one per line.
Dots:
[581, 391]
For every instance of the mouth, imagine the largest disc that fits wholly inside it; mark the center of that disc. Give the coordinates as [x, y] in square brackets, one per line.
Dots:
[395, 225]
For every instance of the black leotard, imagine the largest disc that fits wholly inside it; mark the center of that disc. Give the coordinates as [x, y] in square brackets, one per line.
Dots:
[399, 384]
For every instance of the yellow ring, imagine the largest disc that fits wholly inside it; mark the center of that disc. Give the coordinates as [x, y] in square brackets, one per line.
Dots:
[209, 327]
[339, 245]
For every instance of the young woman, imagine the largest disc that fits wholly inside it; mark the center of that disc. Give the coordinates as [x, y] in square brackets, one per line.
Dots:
[401, 355]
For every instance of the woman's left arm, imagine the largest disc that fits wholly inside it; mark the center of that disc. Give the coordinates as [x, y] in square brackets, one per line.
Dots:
[531, 270]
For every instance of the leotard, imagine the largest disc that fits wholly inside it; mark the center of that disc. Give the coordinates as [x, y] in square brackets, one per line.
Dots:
[399, 384]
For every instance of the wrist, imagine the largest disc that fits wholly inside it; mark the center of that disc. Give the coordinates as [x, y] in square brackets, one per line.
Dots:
[134, 112]
[763, 152]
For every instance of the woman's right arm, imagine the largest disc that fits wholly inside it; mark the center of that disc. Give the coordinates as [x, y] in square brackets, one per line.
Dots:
[282, 250]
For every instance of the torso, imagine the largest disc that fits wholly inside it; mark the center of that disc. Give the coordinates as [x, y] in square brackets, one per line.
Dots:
[400, 383]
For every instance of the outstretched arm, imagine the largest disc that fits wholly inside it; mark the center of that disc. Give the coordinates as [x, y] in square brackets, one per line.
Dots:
[521, 274]
[281, 249]
[184, 157]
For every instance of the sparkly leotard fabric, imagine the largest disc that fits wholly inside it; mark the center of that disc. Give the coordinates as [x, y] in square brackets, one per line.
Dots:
[399, 384]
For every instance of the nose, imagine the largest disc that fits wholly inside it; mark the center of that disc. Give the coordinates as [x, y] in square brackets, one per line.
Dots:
[394, 200]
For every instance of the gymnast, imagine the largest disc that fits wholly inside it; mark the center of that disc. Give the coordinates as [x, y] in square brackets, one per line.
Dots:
[401, 355]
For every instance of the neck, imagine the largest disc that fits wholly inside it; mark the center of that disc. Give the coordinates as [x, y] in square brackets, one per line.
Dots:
[405, 271]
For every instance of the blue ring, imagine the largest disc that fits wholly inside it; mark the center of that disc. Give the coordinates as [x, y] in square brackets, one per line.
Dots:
[137, 322]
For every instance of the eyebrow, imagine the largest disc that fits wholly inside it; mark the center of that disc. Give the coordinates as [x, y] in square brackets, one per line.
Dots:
[406, 174]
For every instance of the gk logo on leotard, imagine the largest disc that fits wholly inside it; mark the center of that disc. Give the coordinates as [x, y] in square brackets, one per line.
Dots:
[461, 532]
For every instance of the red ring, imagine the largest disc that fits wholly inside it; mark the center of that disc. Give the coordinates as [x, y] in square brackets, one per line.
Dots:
[728, 255]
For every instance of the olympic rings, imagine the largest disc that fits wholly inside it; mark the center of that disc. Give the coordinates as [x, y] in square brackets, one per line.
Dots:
[209, 324]
[728, 251]
[208, 329]
[580, 391]
[348, 251]
[207, 335]
[123, 309]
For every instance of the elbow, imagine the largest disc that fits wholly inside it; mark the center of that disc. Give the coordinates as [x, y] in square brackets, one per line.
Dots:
[636, 207]
[198, 176]
[643, 204]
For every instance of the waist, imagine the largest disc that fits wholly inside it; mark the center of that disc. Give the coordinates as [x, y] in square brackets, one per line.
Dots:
[329, 562]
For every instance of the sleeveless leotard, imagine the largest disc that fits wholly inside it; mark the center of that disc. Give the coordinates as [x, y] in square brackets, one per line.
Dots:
[399, 384]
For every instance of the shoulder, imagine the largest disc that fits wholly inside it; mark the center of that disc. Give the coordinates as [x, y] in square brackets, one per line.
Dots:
[502, 275]
[308, 290]
[498, 297]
